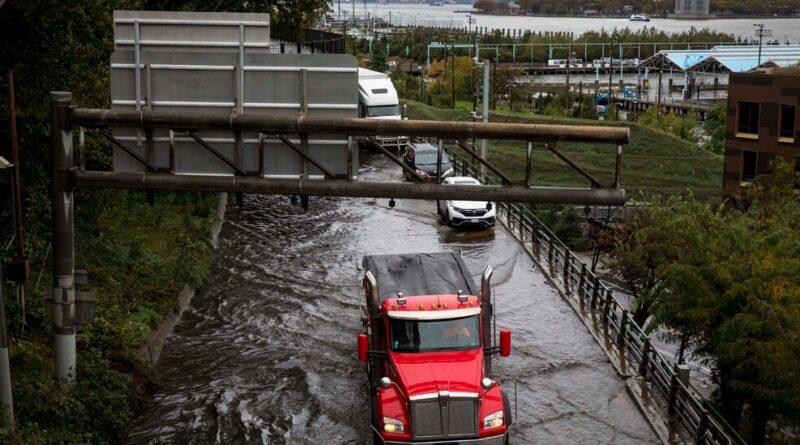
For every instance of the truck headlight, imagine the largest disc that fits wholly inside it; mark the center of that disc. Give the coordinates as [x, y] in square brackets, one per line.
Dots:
[448, 172]
[493, 420]
[392, 425]
[457, 210]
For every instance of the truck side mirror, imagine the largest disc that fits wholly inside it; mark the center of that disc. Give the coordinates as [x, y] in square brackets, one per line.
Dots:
[363, 345]
[505, 342]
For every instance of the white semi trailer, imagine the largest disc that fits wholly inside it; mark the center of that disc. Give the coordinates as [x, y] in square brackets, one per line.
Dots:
[377, 99]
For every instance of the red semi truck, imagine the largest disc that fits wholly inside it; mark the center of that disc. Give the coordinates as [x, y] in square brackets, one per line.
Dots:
[428, 346]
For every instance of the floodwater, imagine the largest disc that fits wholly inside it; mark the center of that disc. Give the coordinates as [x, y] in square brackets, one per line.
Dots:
[455, 16]
[267, 351]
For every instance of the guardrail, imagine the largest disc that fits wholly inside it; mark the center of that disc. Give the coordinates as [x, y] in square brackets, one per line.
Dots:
[576, 282]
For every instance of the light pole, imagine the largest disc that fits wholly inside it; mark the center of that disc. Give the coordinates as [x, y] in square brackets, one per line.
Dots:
[470, 21]
[761, 33]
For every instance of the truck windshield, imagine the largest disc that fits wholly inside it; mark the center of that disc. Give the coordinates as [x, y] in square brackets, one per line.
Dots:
[383, 110]
[434, 335]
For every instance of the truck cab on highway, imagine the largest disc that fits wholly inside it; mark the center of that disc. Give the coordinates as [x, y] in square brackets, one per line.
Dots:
[377, 99]
[428, 346]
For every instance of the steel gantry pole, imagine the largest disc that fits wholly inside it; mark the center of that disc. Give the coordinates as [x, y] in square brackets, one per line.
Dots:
[63, 207]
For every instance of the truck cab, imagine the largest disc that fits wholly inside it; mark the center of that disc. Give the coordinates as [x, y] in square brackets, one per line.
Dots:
[428, 352]
[377, 99]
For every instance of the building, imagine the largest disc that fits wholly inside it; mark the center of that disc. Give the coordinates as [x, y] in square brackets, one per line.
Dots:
[692, 8]
[762, 124]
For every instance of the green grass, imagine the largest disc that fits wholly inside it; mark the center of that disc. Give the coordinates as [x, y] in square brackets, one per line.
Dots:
[138, 256]
[652, 162]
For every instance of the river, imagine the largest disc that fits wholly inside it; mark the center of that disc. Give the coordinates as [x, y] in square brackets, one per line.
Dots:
[448, 16]
[266, 353]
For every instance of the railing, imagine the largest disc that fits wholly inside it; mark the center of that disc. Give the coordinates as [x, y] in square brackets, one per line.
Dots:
[578, 283]
[314, 42]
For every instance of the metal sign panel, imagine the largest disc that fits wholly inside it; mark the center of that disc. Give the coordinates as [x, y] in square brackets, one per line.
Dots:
[162, 78]
[205, 31]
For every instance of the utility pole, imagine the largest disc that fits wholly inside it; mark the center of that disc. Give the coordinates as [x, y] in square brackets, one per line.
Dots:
[566, 89]
[658, 99]
[453, 76]
[6, 399]
[474, 93]
[761, 33]
[610, 72]
[63, 207]
[485, 110]
[20, 260]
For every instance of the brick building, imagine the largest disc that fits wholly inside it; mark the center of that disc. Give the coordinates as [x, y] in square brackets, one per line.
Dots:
[762, 124]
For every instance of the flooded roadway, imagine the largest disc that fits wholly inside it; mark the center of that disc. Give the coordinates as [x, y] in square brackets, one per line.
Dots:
[267, 351]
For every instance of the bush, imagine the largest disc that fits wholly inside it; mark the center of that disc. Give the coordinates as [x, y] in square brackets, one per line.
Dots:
[565, 222]
[715, 125]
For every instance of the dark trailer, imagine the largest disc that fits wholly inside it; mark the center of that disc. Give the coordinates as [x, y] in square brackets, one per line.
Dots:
[440, 273]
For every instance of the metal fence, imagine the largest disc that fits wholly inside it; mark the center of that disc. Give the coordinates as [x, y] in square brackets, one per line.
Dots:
[313, 42]
[578, 283]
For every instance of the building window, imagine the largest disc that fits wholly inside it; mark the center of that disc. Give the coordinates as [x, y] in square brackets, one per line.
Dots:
[787, 123]
[748, 119]
[749, 159]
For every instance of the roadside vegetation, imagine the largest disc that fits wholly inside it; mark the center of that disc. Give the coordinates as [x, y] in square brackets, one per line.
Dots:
[653, 162]
[720, 283]
[138, 254]
[724, 284]
[412, 43]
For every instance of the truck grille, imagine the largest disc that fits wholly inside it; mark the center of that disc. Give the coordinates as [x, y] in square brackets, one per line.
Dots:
[444, 418]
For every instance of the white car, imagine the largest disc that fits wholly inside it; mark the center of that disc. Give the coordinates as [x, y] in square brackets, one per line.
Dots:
[465, 213]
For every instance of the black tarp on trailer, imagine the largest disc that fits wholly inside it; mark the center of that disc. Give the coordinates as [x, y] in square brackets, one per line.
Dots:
[420, 274]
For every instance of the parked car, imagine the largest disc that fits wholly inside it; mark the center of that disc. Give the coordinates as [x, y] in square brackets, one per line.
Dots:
[465, 213]
[421, 156]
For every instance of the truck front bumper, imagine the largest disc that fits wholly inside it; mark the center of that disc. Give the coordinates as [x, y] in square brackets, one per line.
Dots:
[494, 440]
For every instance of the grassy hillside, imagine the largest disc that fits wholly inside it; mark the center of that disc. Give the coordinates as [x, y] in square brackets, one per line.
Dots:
[651, 162]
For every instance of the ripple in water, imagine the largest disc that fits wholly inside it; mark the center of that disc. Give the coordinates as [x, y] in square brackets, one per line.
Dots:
[267, 354]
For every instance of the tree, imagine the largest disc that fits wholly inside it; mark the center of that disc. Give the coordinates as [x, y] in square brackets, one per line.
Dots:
[727, 285]
[288, 18]
[502, 79]
[715, 126]
[378, 60]
[647, 241]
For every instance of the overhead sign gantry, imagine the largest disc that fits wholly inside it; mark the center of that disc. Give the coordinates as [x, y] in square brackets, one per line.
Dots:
[231, 117]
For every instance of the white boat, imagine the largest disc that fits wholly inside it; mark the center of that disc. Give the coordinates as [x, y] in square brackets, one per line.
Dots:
[639, 18]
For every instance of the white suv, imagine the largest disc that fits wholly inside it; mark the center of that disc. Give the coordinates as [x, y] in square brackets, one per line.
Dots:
[465, 213]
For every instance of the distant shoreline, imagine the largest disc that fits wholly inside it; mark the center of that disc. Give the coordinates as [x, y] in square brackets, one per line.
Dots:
[655, 17]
